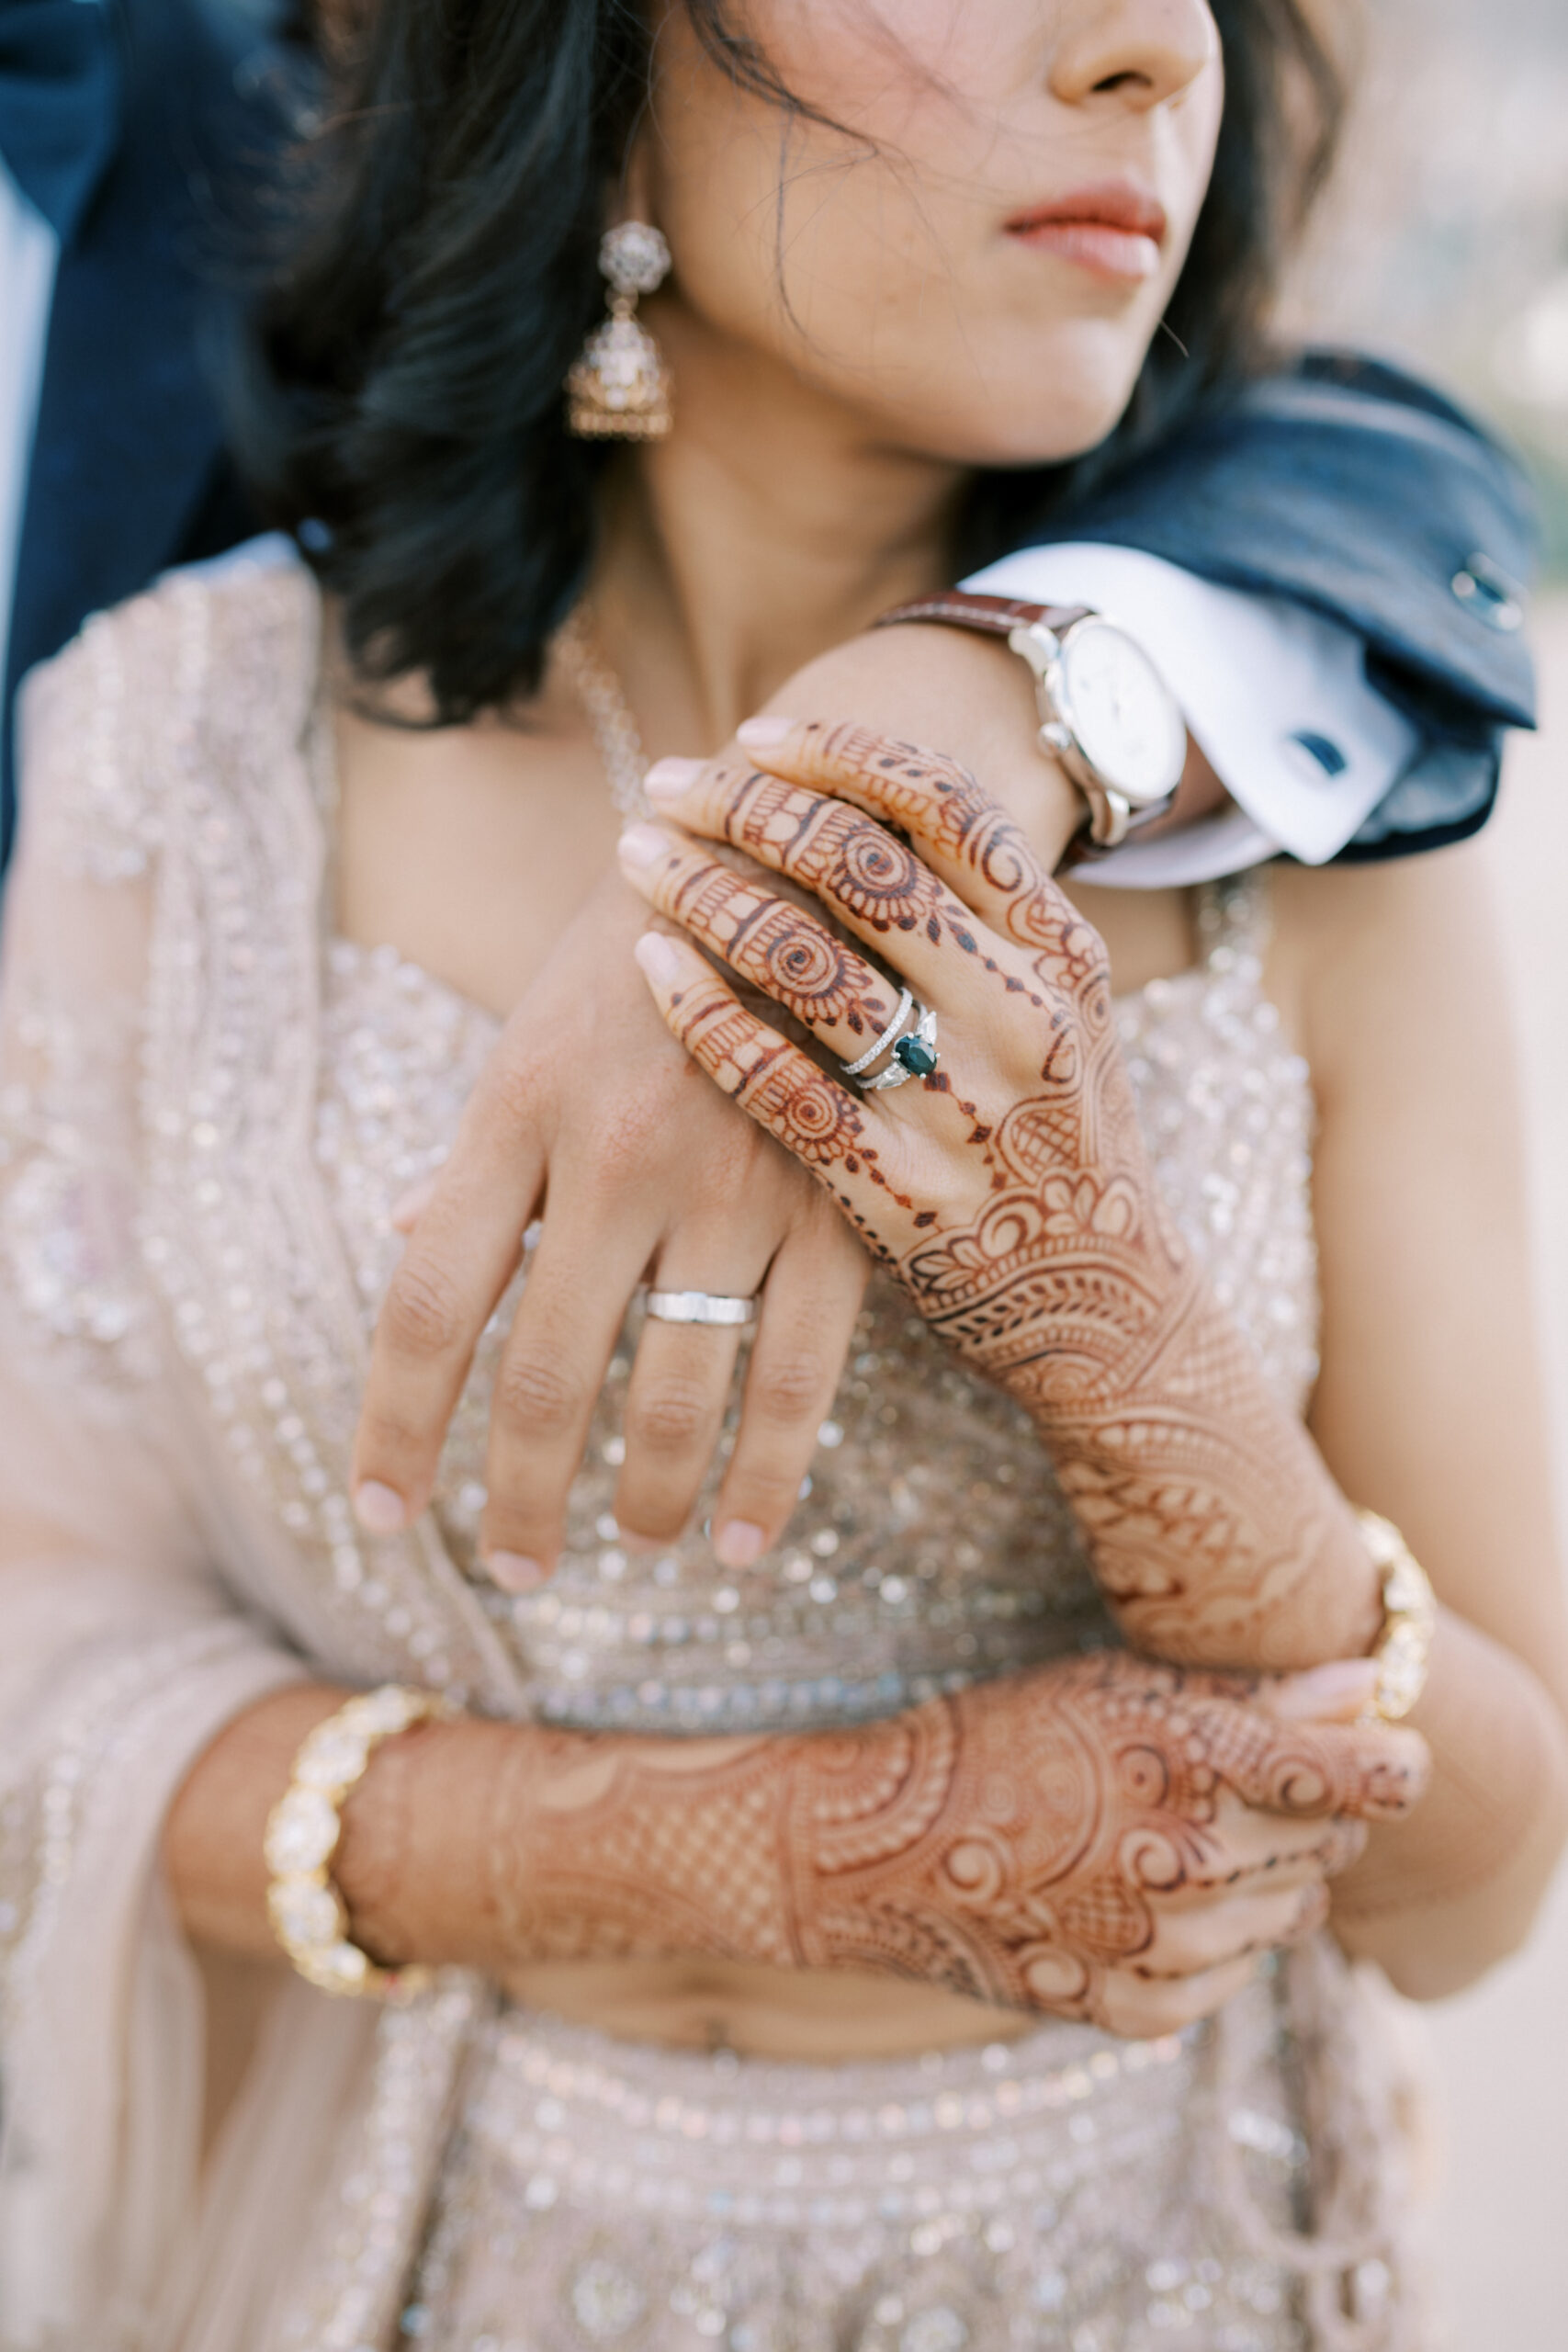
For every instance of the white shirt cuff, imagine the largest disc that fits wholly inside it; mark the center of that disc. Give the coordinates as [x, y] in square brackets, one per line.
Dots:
[1276, 696]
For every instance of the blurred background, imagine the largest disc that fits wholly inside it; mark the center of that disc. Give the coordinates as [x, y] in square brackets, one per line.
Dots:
[1445, 235]
[1445, 239]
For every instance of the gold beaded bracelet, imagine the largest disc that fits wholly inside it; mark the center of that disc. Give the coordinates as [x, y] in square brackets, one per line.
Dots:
[308, 1913]
[1403, 1648]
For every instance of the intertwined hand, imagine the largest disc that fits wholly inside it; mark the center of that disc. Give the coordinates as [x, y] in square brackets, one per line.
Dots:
[1102, 1838]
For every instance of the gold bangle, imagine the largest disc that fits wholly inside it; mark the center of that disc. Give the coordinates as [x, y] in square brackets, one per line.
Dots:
[1403, 1648]
[309, 1915]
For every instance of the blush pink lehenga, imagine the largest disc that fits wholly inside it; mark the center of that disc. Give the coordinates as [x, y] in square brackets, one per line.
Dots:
[208, 1104]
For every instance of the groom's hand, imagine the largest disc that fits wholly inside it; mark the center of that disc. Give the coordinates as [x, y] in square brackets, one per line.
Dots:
[590, 1117]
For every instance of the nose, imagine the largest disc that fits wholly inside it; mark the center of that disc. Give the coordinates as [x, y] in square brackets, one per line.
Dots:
[1142, 52]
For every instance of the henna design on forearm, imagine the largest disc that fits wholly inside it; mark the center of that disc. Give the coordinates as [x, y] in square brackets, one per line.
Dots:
[1011, 1843]
[1051, 1263]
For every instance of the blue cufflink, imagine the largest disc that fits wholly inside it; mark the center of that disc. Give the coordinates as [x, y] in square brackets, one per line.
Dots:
[1323, 749]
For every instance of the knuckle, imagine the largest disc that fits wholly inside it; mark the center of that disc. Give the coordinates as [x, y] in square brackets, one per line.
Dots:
[510, 1094]
[535, 1394]
[765, 1492]
[423, 1312]
[669, 1419]
[767, 1473]
[788, 1389]
[524, 1500]
[534, 1533]
[388, 1440]
[633, 1142]
[735, 1165]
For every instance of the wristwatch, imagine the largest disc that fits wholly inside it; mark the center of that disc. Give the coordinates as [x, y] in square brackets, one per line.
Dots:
[1105, 711]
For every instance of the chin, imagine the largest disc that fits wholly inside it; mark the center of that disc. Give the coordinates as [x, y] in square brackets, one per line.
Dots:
[1054, 407]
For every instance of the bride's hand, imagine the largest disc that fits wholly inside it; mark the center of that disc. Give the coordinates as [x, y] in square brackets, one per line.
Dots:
[1102, 1838]
[1010, 1190]
[1021, 1151]
[586, 1104]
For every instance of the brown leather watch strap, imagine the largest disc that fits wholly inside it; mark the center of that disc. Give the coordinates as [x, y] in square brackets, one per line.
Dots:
[998, 616]
[1112, 813]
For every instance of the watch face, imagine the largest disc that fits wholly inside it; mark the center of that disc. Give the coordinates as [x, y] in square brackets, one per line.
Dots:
[1125, 716]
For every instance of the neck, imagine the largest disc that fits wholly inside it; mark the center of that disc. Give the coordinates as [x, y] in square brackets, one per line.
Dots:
[768, 527]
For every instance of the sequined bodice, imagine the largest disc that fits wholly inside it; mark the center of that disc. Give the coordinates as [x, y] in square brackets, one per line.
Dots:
[228, 1227]
[207, 1117]
[932, 1544]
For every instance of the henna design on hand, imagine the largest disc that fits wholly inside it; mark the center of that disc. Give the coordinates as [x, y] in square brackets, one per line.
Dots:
[775, 1082]
[874, 882]
[1029, 1230]
[1014, 1843]
[795, 959]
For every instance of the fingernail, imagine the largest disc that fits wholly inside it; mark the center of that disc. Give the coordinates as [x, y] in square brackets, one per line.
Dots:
[738, 1542]
[379, 1509]
[657, 957]
[410, 1206]
[514, 1571]
[1410, 1758]
[642, 844]
[667, 779]
[1341, 1687]
[758, 734]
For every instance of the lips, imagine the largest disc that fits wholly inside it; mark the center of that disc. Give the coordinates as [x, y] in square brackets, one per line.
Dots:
[1115, 231]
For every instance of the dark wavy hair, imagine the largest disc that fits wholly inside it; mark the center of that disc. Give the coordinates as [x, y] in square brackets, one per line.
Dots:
[398, 399]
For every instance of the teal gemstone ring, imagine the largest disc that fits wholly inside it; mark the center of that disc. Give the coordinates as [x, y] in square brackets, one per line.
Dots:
[914, 1055]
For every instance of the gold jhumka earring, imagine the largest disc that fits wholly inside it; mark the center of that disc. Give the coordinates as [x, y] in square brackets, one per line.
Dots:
[619, 386]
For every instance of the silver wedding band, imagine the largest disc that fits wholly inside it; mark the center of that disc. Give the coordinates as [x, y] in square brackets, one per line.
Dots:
[700, 1307]
[894, 1029]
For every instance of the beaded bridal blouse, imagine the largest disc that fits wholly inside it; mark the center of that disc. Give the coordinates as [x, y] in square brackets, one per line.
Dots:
[199, 1174]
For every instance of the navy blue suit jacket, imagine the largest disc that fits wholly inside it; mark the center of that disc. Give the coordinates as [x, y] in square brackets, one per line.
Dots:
[1340, 482]
[129, 474]
[1362, 493]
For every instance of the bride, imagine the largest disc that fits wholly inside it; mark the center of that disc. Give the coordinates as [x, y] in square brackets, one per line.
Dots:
[999, 1956]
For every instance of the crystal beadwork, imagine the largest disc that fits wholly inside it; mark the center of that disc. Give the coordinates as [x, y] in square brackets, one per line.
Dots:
[1037, 2194]
[286, 1095]
[934, 1545]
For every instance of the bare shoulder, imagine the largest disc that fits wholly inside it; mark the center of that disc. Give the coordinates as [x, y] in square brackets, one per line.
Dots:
[1374, 965]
